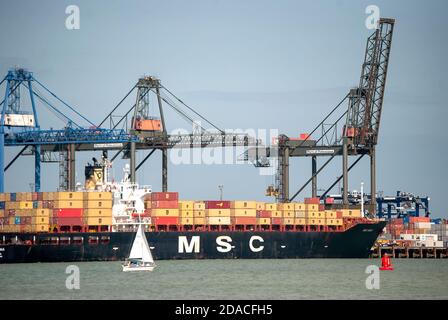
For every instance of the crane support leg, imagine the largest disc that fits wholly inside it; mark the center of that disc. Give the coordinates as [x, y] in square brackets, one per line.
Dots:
[37, 168]
[314, 175]
[71, 167]
[2, 161]
[345, 172]
[372, 181]
[285, 175]
[132, 162]
[164, 170]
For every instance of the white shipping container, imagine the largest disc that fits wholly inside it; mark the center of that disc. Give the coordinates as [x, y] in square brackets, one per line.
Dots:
[19, 120]
[422, 225]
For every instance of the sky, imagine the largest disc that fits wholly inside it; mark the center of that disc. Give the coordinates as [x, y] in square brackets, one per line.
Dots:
[243, 64]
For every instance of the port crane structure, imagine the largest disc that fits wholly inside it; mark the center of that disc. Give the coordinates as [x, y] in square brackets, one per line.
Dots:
[359, 134]
[20, 128]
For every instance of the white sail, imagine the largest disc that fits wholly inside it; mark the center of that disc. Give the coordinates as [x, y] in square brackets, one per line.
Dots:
[140, 248]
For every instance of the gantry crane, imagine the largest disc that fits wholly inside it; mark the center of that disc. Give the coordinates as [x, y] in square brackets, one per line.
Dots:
[359, 134]
[135, 135]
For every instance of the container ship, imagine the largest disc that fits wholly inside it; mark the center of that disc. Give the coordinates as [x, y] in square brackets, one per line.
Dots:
[98, 223]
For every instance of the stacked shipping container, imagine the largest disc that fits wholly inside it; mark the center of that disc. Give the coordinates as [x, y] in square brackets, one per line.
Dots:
[54, 211]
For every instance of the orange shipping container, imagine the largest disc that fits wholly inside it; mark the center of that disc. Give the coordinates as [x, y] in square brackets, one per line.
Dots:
[244, 221]
[286, 206]
[288, 221]
[276, 214]
[199, 221]
[300, 221]
[186, 213]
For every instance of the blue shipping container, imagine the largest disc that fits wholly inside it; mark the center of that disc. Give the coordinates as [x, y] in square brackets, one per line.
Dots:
[17, 220]
[2, 204]
[35, 204]
[13, 196]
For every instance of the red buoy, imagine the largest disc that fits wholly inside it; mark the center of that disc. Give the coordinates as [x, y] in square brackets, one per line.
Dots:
[385, 263]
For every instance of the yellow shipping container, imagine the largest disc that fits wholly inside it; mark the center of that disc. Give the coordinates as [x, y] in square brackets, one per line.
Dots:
[165, 212]
[218, 220]
[299, 206]
[311, 207]
[2, 213]
[300, 214]
[26, 205]
[12, 220]
[316, 214]
[40, 220]
[289, 214]
[199, 213]
[199, 205]
[98, 221]
[97, 204]
[330, 214]
[243, 213]
[60, 204]
[6, 197]
[243, 205]
[286, 206]
[74, 196]
[217, 212]
[95, 195]
[24, 212]
[264, 221]
[288, 221]
[186, 205]
[333, 222]
[42, 212]
[316, 222]
[11, 205]
[271, 206]
[199, 221]
[186, 213]
[351, 213]
[276, 214]
[40, 227]
[186, 220]
[261, 206]
[2, 196]
[48, 196]
[300, 221]
[98, 213]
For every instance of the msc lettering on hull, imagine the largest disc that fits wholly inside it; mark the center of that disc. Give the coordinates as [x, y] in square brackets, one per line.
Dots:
[223, 244]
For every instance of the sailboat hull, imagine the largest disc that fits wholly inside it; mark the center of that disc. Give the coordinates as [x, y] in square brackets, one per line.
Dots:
[135, 269]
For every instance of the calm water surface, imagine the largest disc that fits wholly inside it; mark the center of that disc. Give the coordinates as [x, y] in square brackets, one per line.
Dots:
[229, 279]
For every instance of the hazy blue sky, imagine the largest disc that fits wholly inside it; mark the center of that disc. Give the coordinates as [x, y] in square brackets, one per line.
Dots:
[243, 64]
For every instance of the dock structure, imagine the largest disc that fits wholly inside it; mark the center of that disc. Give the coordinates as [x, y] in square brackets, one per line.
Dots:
[411, 252]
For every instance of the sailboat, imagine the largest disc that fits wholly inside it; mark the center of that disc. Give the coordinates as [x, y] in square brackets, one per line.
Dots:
[140, 258]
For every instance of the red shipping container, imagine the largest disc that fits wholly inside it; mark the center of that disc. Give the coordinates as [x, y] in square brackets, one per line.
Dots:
[329, 200]
[34, 196]
[40, 196]
[68, 221]
[312, 201]
[276, 221]
[165, 196]
[321, 207]
[338, 214]
[244, 220]
[11, 212]
[264, 214]
[215, 204]
[304, 136]
[165, 204]
[68, 213]
[166, 220]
